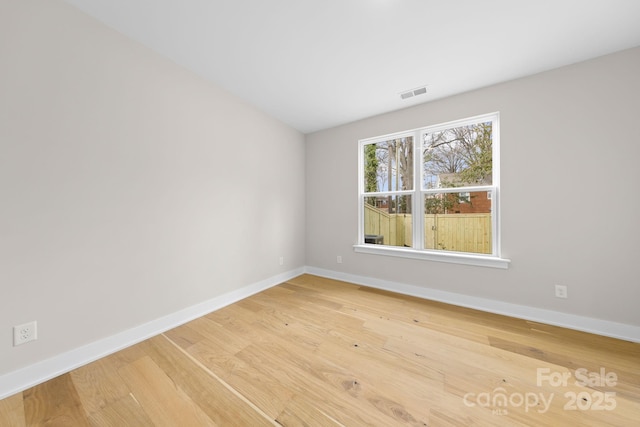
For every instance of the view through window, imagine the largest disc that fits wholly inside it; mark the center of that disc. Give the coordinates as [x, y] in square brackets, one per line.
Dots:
[444, 199]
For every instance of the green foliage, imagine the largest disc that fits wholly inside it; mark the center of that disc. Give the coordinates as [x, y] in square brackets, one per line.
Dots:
[440, 203]
[443, 203]
[370, 168]
[479, 156]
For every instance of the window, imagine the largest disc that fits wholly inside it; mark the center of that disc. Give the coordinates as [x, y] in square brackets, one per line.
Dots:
[441, 204]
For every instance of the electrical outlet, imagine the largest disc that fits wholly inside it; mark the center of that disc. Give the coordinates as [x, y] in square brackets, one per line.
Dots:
[339, 259]
[281, 260]
[25, 333]
[561, 291]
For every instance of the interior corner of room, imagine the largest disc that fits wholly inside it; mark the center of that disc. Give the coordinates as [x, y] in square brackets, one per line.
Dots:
[136, 196]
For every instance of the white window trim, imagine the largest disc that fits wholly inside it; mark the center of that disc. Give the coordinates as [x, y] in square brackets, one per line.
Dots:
[494, 260]
[440, 256]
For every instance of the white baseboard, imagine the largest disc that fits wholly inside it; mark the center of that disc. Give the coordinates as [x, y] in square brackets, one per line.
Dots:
[29, 376]
[550, 317]
[22, 379]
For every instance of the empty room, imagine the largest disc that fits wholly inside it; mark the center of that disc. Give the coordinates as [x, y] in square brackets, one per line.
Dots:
[319, 213]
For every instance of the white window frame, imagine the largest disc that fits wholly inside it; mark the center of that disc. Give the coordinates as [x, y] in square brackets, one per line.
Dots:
[417, 196]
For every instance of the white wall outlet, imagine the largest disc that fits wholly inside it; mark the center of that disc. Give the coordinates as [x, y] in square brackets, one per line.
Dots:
[281, 260]
[561, 291]
[25, 333]
[339, 259]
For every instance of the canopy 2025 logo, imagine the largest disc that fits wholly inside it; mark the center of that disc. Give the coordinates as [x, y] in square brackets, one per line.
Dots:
[593, 400]
[589, 399]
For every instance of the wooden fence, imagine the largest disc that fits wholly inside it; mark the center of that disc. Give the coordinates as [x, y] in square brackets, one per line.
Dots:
[396, 229]
[450, 232]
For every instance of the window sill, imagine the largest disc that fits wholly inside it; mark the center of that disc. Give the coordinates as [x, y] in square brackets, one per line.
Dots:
[450, 257]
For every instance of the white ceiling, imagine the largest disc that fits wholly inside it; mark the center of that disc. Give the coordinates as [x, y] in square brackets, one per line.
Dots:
[315, 64]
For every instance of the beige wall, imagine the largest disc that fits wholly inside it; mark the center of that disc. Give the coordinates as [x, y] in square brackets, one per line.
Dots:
[569, 138]
[130, 188]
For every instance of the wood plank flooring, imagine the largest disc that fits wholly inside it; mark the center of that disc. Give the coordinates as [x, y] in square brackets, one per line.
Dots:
[318, 352]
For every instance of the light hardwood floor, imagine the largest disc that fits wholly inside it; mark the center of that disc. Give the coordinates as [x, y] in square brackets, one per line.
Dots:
[318, 352]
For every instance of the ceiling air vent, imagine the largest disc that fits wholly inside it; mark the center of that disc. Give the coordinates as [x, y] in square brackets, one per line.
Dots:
[414, 92]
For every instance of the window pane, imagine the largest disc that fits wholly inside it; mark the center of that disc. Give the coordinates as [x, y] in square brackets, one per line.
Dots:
[458, 157]
[388, 165]
[459, 222]
[387, 220]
